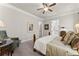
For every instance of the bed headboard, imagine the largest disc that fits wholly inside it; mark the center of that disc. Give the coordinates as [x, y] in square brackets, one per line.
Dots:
[62, 34]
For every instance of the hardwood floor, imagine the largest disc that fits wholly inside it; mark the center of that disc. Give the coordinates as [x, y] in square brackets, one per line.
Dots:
[26, 49]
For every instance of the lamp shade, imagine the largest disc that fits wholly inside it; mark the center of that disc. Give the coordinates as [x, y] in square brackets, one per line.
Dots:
[2, 23]
[77, 28]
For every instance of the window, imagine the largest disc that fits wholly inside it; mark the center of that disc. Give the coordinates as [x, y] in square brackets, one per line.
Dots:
[55, 27]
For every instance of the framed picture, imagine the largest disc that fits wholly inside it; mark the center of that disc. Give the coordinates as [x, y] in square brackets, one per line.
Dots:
[30, 27]
[46, 26]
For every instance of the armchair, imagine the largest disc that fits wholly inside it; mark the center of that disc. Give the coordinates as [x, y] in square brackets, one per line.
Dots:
[16, 41]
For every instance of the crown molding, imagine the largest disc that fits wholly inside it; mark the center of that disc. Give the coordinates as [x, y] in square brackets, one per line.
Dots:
[21, 11]
[64, 14]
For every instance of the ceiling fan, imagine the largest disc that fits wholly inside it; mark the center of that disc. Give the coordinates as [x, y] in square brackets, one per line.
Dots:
[47, 7]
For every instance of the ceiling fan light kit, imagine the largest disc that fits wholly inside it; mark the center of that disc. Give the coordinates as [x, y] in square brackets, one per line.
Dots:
[47, 7]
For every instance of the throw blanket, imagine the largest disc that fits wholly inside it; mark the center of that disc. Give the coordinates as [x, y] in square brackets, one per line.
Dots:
[55, 51]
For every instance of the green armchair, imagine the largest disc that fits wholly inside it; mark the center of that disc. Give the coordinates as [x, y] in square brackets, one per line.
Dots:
[16, 41]
[3, 35]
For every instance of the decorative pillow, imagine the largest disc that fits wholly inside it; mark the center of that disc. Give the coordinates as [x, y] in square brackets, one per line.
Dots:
[72, 36]
[62, 34]
[77, 34]
[77, 45]
[66, 37]
[69, 36]
[74, 41]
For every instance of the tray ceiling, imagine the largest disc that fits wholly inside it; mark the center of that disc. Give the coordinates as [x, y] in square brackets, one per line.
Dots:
[58, 9]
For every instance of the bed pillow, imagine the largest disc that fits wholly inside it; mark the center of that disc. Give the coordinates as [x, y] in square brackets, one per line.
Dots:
[74, 41]
[69, 36]
[62, 34]
[72, 36]
[66, 37]
[77, 34]
[77, 45]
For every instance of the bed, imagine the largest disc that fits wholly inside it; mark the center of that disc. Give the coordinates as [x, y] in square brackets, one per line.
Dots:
[53, 46]
[41, 43]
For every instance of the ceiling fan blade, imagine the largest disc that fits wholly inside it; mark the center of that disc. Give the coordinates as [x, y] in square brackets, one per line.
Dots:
[50, 10]
[43, 12]
[52, 4]
[40, 9]
[44, 4]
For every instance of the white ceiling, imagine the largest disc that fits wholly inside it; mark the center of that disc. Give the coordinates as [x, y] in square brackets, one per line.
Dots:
[58, 9]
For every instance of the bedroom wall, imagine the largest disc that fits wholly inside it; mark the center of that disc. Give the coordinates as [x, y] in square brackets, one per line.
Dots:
[76, 20]
[17, 23]
[67, 21]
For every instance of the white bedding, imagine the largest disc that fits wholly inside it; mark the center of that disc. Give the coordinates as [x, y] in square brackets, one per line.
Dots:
[41, 43]
[58, 48]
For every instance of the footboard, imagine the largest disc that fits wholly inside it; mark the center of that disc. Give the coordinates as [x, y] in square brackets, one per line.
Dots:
[34, 39]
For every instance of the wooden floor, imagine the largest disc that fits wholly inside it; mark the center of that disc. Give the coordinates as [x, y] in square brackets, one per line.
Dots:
[26, 49]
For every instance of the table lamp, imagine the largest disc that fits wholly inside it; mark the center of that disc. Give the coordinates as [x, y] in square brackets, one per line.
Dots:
[77, 28]
[2, 25]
